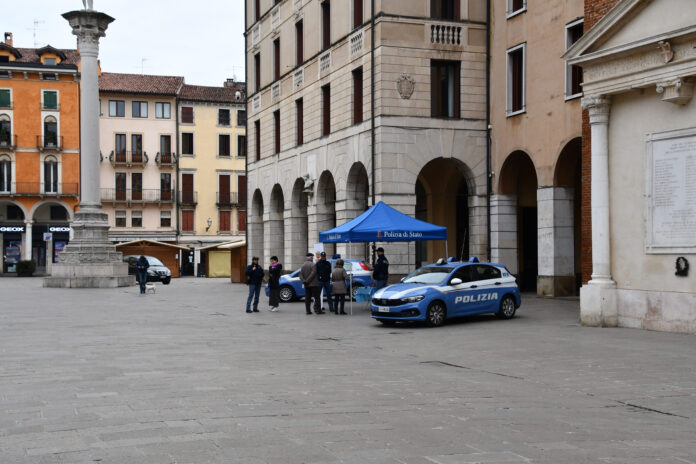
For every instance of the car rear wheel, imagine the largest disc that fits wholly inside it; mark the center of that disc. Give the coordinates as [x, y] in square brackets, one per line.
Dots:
[436, 314]
[507, 308]
[286, 294]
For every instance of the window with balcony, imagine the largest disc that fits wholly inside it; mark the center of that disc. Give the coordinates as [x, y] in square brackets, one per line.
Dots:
[187, 143]
[223, 117]
[163, 110]
[225, 198]
[326, 25]
[120, 219]
[137, 186]
[5, 98]
[5, 131]
[242, 190]
[276, 131]
[241, 146]
[165, 148]
[137, 148]
[50, 132]
[241, 118]
[187, 114]
[165, 218]
[445, 89]
[257, 135]
[444, 9]
[51, 175]
[187, 192]
[225, 221]
[515, 7]
[187, 220]
[516, 85]
[136, 218]
[224, 145]
[299, 43]
[5, 174]
[573, 77]
[120, 148]
[357, 96]
[117, 108]
[299, 118]
[120, 183]
[257, 72]
[50, 100]
[326, 110]
[166, 186]
[139, 109]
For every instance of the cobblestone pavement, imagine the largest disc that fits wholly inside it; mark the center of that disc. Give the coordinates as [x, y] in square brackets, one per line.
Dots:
[186, 376]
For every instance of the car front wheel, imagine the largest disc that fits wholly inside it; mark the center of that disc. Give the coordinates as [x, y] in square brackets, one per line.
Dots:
[436, 314]
[507, 308]
[166, 280]
[286, 294]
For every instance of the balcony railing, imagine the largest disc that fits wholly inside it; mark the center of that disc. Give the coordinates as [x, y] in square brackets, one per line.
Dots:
[113, 195]
[446, 34]
[226, 198]
[45, 107]
[8, 142]
[42, 189]
[188, 197]
[128, 158]
[49, 143]
[165, 159]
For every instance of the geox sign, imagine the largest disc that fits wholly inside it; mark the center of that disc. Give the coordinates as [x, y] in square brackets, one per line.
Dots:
[5, 229]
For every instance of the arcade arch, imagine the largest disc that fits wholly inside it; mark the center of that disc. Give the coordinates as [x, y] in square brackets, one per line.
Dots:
[256, 226]
[326, 208]
[276, 224]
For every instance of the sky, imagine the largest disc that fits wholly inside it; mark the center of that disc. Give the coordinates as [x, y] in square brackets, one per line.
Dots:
[202, 40]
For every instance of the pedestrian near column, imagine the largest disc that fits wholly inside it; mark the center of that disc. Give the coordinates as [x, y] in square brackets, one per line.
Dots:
[324, 277]
[381, 271]
[339, 277]
[254, 276]
[274, 271]
[308, 277]
[141, 265]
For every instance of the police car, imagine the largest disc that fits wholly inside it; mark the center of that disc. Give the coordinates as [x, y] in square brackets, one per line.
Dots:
[444, 290]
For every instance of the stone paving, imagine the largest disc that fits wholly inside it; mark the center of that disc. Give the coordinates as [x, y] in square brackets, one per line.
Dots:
[186, 376]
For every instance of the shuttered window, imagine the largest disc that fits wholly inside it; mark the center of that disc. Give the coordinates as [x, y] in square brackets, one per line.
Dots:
[187, 221]
[187, 115]
[5, 98]
[50, 100]
[241, 221]
[225, 221]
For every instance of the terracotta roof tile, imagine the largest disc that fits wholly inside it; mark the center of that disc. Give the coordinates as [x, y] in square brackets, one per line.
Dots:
[213, 94]
[140, 83]
[29, 55]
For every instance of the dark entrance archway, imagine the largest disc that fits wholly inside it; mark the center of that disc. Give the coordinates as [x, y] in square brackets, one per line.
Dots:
[256, 227]
[568, 176]
[326, 208]
[299, 226]
[276, 224]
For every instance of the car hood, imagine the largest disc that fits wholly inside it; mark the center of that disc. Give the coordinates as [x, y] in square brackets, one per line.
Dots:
[402, 290]
[158, 268]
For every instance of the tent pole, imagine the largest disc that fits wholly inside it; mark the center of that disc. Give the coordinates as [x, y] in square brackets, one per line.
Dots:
[446, 252]
[350, 276]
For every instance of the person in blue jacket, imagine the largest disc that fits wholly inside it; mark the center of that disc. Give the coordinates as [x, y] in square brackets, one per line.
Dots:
[141, 265]
[254, 279]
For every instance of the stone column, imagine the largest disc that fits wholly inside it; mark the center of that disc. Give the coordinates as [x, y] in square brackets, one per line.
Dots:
[504, 231]
[90, 260]
[28, 241]
[598, 298]
[555, 242]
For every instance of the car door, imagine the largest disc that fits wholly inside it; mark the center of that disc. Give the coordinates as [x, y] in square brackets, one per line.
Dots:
[489, 281]
[462, 297]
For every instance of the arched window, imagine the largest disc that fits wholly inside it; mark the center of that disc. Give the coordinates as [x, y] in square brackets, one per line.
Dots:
[50, 132]
[5, 131]
[5, 174]
[50, 175]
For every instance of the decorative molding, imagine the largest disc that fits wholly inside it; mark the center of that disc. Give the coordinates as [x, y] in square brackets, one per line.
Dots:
[598, 107]
[678, 90]
[666, 51]
[405, 85]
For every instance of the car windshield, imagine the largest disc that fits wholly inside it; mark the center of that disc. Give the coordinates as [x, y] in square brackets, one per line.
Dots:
[152, 261]
[428, 275]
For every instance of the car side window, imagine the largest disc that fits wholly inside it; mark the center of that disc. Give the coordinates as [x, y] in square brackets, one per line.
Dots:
[465, 274]
[487, 272]
[348, 266]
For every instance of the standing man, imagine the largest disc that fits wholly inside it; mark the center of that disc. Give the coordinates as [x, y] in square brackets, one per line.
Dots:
[381, 271]
[254, 276]
[308, 276]
[274, 283]
[324, 277]
[141, 265]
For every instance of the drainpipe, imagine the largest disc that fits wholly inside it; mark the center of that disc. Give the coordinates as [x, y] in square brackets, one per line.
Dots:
[489, 173]
[176, 190]
[246, 141]
[372, 104]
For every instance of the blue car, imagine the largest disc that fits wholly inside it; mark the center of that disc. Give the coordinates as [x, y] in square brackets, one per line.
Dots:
[437, 292]
[291, 287]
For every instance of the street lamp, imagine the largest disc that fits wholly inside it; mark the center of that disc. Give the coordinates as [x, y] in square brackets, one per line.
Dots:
[210, 223]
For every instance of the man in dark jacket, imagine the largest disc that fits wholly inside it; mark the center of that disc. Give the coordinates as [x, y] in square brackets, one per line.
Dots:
[308, 277]
[141, 265]
[324, 277]
[274, 272]
[381, 271]
[254, 276]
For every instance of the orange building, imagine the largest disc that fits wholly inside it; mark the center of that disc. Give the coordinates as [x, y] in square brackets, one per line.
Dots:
[39, 151]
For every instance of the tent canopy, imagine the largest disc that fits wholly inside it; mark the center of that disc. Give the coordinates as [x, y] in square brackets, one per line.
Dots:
[382, 223]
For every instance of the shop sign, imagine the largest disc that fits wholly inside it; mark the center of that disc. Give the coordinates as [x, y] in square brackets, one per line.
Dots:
[6, 229]
[59, 228]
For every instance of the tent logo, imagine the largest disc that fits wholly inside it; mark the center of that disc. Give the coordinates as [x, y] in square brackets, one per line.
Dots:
[379, 234]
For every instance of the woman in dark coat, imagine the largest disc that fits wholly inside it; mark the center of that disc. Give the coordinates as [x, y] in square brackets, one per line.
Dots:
[274, 283]
[339, 277]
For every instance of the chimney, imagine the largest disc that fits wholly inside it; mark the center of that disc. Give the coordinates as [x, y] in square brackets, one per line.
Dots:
[229, 82]
[8, 39]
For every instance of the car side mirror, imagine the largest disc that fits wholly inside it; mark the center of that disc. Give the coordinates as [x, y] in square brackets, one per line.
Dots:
[455, 281]
[402, 279]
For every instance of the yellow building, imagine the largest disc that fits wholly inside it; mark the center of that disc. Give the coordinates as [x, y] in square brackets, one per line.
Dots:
[212, 182]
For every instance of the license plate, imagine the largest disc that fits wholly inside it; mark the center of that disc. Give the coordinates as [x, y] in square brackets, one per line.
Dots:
[382, 309]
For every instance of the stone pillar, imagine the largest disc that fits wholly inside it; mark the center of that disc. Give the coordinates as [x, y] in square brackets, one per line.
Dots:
[28, 241]
[555, 239]
[598, 297]
[478, 232]
[90, 260]
[504, 231]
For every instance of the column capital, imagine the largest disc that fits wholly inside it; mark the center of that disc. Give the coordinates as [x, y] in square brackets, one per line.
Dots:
[598, 107]
[88, 26]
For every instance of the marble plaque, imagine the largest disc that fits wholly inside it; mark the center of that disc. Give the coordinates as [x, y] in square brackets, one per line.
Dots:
[672, 194]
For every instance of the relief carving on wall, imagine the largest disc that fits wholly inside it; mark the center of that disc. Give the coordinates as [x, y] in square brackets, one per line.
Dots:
[405, 85]
[666, 51]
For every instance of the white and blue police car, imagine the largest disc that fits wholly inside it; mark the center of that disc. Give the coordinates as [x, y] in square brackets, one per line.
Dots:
[440, 291]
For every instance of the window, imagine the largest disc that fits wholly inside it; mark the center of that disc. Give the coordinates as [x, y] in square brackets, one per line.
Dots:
[137, 186]
[444, 9]
[165, 218]
[573, 76]
[187, 193]
[299, 43]
[299, 116]
[5, 174]
[225, 225]
[357, 96]
[5, 98]
[4, 59]
[358, 13]
[120, 148]
[49, 61]
[276, 59]
[257, 72]
[257, 9]
[224, 197]
[325, 25]
[50, 100]
[163, 110]
[224, 117]
[139, 109]
[49, 76]
[257, 134]
[187, 143]
[166, 145]
[516, 84]
[50, 175]
[444, 89]
[241, 117]
[137, 148]
[483, 272]
[136, 218]
[187, 220]
[515, 6]
[120, 182]
[117, 108]
[241, 146]
[276, 131]
[120, 219]
[242, 190]
[241, 221]
[326, 110]
[50, 132]
[465, 274]
[224, 145]
[187, 114]
[166, 186]
[5, 131]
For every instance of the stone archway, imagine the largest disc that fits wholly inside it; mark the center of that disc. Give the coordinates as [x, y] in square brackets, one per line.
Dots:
[298, 225]
[256, 226]
[515, 219]
[13, 241]
[326, 208]
[276, 224]
[52, 216]
[357, 202]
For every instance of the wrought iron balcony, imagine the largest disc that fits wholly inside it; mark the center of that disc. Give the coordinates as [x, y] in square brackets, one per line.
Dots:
[227, 198]
[49, 143]
[41, 189]
[8, 143]
[128, 158]
[165, 159]
[188, 197]
[114, 195]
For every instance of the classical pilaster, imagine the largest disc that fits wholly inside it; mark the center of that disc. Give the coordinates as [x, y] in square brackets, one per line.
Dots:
[26, 250]
[597, 299]
[555, 242]
[504, 231]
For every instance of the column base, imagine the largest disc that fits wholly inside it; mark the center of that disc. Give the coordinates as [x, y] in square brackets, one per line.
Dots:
[89, 282]
[556, 286]
[598, 307]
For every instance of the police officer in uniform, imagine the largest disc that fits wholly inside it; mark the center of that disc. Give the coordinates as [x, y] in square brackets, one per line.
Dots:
[381, 271]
